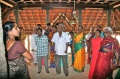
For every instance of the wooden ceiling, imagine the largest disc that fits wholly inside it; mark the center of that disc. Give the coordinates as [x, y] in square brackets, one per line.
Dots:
[33, 12]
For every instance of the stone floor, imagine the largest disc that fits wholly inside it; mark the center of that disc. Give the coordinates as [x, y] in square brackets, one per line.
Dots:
[52, 75]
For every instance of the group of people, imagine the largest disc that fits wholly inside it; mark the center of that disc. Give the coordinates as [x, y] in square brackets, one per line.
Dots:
[102, 48]
[53, 44]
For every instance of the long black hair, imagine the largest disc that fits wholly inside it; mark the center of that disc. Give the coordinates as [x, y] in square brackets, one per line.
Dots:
[7, 26]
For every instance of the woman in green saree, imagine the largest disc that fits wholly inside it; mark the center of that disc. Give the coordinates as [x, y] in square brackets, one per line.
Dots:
[79, 49]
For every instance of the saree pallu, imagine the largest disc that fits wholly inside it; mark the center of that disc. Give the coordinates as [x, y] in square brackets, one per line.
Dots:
[103, 66]
[95, 49]
[18, 69]
[79, 56]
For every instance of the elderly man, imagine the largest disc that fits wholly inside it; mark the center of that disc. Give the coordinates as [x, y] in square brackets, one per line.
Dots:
[61, 40]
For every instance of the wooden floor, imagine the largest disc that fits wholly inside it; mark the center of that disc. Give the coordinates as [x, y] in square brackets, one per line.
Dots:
[52, 75]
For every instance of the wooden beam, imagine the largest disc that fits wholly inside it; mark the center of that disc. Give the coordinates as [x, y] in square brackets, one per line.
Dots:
[6, 3]
[116, 2]
[13, 2]
[70, 5]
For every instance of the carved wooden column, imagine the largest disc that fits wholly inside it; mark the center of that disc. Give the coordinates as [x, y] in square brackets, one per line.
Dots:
[109, 17]
[80, 17]
[47, 16]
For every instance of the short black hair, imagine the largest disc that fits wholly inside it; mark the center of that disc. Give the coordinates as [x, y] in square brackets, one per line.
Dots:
[39, 29]
[55, 27]
[48, 24]
[98, 31]
[38, 24]
[71, 32]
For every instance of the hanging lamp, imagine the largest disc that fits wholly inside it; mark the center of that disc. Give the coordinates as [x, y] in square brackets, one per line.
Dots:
[73, 19]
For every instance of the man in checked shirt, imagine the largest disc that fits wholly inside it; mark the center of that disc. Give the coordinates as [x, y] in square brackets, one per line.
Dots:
[41, 42]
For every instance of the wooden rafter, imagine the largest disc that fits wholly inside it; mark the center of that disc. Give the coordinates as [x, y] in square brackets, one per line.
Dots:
[89, 18]
[4, 9]
[6, 3]
[33, 17]
[116, 16]
[96, 17]
[105, 1]
[97, 0]
[102, 18]
[13, 2]
[27, 18]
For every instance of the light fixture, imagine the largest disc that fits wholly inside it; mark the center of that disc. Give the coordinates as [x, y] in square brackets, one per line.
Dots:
[73, 19]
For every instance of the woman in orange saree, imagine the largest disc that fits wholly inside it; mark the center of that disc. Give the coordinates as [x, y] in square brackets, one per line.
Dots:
[52, 61]
[103, 67]
[79, 49]
[95, 42]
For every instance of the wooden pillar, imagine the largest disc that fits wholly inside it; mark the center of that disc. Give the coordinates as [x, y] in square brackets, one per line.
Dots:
[29, 42]
[108, 17]
[47, 16]
[16, 13]
[80, 17]
[3, 62]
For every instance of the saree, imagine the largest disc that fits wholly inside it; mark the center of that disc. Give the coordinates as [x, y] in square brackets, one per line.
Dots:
[18, 69]
[95, 48]
[79, 56]
[52, 61]
[103, 68]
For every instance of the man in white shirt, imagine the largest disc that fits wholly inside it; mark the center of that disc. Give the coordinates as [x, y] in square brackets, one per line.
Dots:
[60, 41]
[33, 46]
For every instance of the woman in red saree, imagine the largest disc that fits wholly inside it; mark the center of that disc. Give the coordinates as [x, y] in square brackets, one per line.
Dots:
[95, 48]
[103, 68]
